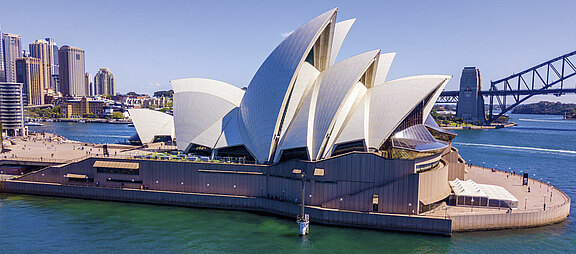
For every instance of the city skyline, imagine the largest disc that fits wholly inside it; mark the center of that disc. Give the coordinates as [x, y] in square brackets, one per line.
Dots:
[498, 38]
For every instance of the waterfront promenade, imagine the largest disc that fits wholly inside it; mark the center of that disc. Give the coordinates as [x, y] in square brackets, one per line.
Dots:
[530, 211]
[53, 148]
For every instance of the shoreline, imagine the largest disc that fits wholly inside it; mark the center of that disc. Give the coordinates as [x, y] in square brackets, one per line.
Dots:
[84, 120]
[479, 127]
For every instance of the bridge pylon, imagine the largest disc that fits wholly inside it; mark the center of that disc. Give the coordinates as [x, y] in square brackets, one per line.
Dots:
[470, 101]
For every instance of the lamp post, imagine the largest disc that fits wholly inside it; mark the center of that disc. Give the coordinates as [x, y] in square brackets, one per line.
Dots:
[471, 204]
[302, 219]
[409, 209]
[540, 182]
[525, 202]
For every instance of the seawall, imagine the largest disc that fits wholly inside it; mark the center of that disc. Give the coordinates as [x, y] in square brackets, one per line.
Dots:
[394, 222]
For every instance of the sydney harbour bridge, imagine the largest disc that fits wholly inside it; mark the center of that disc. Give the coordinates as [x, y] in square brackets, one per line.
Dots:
[548, 78]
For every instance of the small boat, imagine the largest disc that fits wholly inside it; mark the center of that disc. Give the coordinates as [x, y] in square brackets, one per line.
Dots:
[130, 125]
[34, 124]
[82, 121]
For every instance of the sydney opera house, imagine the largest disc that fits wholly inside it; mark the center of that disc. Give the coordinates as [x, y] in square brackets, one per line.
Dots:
[367, 143]
[357, 149]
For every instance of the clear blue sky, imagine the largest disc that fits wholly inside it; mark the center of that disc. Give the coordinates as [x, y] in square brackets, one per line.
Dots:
[148, 43]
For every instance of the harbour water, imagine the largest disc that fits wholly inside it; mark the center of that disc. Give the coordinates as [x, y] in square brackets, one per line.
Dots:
[540, 145]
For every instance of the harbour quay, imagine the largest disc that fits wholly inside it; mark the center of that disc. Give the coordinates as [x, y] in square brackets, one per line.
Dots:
[274, 189]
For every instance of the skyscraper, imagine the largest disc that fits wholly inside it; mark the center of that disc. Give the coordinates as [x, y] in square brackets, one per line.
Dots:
[11, 109]
[104, 82]
[30, 72]
[72, 71]
[2, 67]
[12, 50]
[41, 49]
[89, 84]
[55, 75]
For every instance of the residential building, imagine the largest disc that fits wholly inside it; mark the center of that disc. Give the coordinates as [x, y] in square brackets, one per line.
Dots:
[104, 82]
[72, 71]
[2, 67]
[12, 109]
[83, 108]
[30, 72]
[12, 44]
[51, 96]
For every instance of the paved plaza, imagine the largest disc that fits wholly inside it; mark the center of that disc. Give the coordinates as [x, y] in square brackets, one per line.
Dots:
[51, 147]
[534, 199]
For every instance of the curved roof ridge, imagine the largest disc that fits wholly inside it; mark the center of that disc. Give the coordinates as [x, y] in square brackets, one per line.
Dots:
[217, 88]
[275, 81]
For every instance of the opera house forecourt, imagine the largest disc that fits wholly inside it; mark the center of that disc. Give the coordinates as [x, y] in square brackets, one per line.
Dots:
[356, 148]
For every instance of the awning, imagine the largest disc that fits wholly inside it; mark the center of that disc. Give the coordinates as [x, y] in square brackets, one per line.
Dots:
[76, 176]
[469, 188]
[115, 164]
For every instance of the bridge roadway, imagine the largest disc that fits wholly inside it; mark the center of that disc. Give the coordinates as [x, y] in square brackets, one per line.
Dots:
[513, 92]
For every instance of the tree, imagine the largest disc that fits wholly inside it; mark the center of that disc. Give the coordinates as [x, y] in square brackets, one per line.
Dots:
[167, 94]
[117, 115]
[88, 115]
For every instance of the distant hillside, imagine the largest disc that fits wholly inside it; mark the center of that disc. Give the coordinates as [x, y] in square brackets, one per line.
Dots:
[545, 108]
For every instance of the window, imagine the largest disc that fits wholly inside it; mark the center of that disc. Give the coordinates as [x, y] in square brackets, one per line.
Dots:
[124, 171]
[425, 167]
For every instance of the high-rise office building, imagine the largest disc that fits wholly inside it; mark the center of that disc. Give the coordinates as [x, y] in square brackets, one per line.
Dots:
[12, 50]
[55, 75]
[41, 49]
[2, 67]
[11, 109]
[30, 72]
[89, 84]
[72, 71]
[104, 82]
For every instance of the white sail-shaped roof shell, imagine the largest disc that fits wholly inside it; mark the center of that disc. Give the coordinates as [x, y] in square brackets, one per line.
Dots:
[384, 63]
[337, 94]
[224, 132]
[150, 124]
[268, 95]
[392, 102]
[198, 104]
[356, 129]
[299, 99]
[340, 32]
[304, 83]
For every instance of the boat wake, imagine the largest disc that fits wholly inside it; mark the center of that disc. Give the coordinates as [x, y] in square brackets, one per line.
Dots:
[546, 121]
[542, 129]
[519, 148]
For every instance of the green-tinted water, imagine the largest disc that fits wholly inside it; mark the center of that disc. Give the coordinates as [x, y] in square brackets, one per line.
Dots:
[543, 145]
